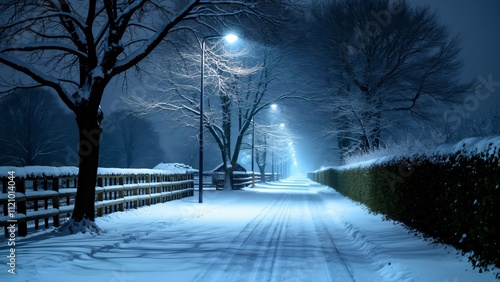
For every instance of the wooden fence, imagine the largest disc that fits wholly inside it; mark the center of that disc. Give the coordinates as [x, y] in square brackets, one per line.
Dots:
[42, 198]
[243, 179]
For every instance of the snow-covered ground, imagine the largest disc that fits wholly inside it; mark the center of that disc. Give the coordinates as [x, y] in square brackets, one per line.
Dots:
[295, 230]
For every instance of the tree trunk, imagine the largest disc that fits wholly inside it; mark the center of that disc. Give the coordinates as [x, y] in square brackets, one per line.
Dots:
[377, 131]
[228, 179]
[262, 170]
[88, 150]
[365, 146]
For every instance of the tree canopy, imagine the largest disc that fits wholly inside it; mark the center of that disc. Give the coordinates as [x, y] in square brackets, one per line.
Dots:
[387, 65]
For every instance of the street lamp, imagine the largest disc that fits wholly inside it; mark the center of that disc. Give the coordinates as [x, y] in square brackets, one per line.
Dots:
[274, 106]
[229, 38]
[253, 154]
[274, 159]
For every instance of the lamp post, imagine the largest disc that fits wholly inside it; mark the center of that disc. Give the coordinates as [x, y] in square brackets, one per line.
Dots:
[274, 107]
[279, 160]
[253, 148]
[229, 38]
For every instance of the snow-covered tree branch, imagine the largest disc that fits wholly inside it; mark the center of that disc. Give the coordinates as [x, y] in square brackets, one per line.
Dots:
[238, 82]
[78, 47]
[388, 65]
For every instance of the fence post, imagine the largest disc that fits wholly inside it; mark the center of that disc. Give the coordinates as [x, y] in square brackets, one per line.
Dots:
[148, 189]
[5, 206]
[35, 205]
[46, 201]
[164, 188]
[121, 193]
[55, 200]
[100, 195]
[21, 208]
[136, 191]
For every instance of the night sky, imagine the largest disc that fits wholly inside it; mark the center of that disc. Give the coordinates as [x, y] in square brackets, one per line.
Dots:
[478, 24]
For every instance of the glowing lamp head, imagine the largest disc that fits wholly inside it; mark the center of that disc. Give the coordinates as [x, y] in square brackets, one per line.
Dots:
[231, 38]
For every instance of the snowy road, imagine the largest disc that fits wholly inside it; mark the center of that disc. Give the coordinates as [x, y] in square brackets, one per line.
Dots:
[288, 240]
[291, 231]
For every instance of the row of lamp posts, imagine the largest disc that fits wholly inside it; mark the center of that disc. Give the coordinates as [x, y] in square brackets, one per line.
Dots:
[230, 38]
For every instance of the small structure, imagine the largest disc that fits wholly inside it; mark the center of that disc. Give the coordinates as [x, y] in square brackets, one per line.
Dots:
[239, 174]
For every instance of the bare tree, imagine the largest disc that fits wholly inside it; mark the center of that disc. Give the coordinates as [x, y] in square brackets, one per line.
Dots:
[130, 141]
[32, 129]
[386, 62]
[273, 146]
[483, 125]
[77, 48]
[237, 84]
[261, 155]
[487, 126]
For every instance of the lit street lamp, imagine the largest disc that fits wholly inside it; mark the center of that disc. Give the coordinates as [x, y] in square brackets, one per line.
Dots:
[253, 154]
[229, 38]
[274, 159]
[274, 107]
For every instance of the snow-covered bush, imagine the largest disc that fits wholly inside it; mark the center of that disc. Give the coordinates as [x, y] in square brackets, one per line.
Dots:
[409, 145]
[450, 195]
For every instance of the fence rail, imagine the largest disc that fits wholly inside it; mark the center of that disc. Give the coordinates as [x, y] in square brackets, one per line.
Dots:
[50, 198]
[243, 179]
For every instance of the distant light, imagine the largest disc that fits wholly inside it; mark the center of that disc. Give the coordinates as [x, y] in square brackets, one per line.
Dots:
[282, 125]
[274, 106]
[231, 38]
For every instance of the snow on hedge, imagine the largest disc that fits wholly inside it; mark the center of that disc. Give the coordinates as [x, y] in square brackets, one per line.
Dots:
[468, 146]
[50, 171]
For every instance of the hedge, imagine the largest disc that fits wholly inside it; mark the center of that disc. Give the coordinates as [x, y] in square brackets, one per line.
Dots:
[450, 198]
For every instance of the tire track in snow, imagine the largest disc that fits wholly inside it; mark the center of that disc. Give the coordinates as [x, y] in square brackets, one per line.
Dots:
[287, 241]
[276, 244]
[252, 253]
[334, 259]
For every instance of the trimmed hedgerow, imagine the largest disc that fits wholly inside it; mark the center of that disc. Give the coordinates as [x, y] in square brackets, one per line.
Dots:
[450, 198]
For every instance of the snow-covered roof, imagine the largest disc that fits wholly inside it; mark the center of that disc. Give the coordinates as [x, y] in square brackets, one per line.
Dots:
[175, 168]
[219, 168]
